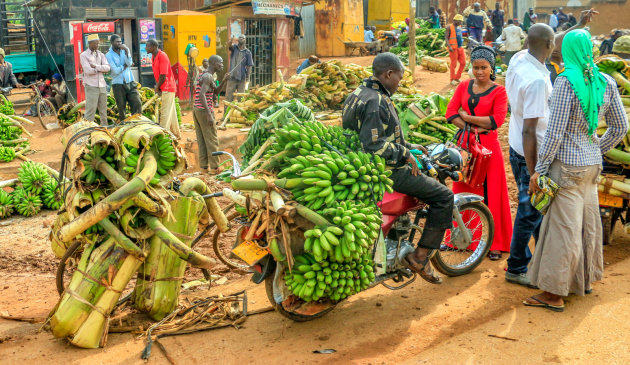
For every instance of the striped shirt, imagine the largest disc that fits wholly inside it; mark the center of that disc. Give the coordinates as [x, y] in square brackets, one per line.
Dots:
[567, 137]
[209, 94]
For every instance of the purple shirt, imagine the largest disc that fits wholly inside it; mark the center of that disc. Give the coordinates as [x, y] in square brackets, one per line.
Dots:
[93, 76]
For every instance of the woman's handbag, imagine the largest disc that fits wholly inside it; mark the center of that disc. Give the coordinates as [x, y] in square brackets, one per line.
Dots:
[478, 160]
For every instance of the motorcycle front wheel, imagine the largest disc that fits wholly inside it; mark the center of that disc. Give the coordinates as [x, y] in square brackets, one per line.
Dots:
[293, 307]
[454, 258]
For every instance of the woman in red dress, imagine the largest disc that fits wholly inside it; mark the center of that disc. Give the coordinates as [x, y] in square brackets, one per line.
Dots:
[483, 104]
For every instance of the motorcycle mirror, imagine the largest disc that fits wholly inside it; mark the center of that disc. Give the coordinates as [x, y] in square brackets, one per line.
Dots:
[437, 150]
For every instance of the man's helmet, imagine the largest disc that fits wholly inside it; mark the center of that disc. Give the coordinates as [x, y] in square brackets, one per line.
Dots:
[447, 156]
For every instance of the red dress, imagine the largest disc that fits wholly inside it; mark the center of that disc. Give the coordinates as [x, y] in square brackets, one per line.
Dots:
[493, 103]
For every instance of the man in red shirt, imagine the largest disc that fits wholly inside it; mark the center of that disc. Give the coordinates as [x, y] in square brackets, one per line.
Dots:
[165, 87]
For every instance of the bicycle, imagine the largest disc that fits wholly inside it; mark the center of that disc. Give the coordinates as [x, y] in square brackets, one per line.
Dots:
[45, 110]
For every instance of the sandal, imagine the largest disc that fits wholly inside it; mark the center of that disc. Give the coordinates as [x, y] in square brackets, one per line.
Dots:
[421, 268]
[541, 304]
[216, 171]
[493, 256]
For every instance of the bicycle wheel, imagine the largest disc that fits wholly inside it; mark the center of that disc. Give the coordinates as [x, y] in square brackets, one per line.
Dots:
[46, 113]
[223, 243]
[454, 258]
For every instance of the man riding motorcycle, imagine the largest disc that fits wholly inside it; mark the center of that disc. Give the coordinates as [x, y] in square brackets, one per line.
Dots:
[369, 111]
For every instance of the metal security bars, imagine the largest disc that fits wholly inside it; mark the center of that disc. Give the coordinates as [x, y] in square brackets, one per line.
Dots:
[259, 33]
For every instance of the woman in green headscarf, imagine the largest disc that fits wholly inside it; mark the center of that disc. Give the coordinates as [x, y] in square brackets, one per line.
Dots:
[568, 256]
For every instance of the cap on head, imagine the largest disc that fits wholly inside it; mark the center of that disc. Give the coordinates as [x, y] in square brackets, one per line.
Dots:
[2, 52]
[458, 17]
[92, 38]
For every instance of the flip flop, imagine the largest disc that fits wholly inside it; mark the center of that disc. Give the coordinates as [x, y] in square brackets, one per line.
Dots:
[541, 304]
[495, 256]
[421, 268]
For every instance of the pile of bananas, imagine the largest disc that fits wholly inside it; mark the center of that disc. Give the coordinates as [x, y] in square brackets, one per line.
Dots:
[331, 176]
[312, 279]
[11, 139]
[7, 154]
[69, 113]
[269, 121]
[323, 86]
[35, 186]
[328, 175]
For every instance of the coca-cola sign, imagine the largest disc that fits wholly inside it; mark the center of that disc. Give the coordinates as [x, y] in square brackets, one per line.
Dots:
[100, 27]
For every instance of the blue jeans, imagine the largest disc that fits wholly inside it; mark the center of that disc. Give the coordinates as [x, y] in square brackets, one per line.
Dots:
[528, 219]
[476, 34]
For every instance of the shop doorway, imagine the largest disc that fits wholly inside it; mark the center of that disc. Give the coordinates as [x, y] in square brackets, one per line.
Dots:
[259, 34]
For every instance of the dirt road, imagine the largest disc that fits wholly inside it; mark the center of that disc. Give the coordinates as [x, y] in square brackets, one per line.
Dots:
[474, 319]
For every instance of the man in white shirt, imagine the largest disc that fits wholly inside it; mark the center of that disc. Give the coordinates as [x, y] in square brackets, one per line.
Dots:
[512, 36]
[95, 65]
[528, 87]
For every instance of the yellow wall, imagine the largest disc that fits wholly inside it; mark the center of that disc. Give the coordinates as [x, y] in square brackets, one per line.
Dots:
[383, 13]
[200, 29]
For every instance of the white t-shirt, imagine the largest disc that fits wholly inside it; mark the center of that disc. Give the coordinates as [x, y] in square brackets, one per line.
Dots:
[512, 36]
[528, 87]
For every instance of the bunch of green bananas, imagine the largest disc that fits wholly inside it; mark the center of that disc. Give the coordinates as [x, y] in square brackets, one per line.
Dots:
[32, 175]
[6, 106]
[6, 204]
[165, 155]
[312, 280]
[27, 203]
[51, 195]
[7, 154]
[360, 225]
[308, 138]
[90, 175]
[8, 131]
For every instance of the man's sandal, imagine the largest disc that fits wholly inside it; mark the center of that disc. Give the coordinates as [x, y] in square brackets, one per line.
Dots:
[421, 268]
[541, 304]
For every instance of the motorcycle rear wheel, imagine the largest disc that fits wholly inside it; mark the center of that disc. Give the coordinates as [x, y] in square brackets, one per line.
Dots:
[450, 260]
[288, 313]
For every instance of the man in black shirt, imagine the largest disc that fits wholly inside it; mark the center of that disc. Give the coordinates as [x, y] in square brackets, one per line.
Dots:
[370, 112]
[607, 45]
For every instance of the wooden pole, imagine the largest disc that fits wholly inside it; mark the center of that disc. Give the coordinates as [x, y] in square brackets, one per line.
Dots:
[412, 38]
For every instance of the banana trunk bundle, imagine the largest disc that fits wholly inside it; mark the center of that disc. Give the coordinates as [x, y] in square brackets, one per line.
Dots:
[434, 64]
[122, 210]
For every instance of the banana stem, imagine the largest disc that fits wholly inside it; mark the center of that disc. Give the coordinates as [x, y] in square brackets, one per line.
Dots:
[254, 160]
[7, 183]
[121, 239]
[196, 185]
[17, 119]
[14, 141]
[149, 102]
[111, 203]
[141, 200]
[76, 108]
[184, 252]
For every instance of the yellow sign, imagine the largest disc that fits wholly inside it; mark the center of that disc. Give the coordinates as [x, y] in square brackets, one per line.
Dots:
[249, 252]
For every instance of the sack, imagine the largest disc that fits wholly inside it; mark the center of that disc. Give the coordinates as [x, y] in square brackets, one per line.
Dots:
[477, 163]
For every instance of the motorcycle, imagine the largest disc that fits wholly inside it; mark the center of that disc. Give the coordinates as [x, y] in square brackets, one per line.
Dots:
[463, 249]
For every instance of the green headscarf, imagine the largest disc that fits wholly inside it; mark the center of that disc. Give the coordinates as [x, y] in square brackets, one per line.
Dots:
[588, 83]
